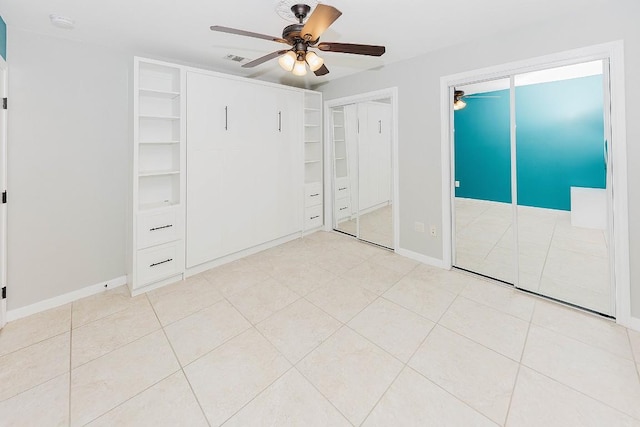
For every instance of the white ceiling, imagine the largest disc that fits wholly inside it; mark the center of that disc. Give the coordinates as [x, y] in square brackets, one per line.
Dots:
[179, 29]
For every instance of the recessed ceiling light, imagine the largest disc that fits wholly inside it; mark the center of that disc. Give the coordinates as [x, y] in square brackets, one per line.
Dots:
[61, 21]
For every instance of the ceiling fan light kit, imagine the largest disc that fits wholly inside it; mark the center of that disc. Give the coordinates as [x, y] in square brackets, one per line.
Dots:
[287, 61]
[314, 61]
[299, 69]
[301, 37]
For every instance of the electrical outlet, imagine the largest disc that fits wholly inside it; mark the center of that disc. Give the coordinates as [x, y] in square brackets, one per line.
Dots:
[419, 227]
[433, 231]
[457, 184]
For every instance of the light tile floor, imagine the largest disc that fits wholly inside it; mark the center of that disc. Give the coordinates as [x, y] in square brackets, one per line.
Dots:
[555, 258]
[281, 338]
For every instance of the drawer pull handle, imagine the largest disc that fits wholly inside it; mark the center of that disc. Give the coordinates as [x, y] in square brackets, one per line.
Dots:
[161, 227]
[314, 195]
[343, 208]
[314, 217]
[343, 188]
[161, 262]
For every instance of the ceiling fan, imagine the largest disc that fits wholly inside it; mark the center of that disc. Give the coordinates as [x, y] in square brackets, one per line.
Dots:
[458, 95]
[303, 36]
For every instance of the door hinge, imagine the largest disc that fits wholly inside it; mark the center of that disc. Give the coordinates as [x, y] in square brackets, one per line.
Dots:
[4, 292]
[4, 103]
[4, 197]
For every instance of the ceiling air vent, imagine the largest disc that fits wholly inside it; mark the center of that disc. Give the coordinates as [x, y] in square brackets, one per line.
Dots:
[235, 58]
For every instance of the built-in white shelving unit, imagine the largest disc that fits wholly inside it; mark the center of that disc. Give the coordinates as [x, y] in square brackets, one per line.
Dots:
[342, 191]
[313, 200]
[157, 198]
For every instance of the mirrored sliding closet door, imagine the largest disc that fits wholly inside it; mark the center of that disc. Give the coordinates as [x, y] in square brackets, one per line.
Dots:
[532, 184]
[362, 171]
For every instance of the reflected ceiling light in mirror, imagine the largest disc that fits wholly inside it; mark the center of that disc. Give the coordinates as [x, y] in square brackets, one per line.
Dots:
[458, 103]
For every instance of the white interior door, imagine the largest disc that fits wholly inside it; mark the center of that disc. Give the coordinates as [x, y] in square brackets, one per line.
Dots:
[3, 189]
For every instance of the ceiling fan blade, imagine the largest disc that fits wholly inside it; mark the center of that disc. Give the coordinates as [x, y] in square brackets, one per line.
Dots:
[321, 71]
[321, 18]
[358, 49]
[264, 59]
[246, 33]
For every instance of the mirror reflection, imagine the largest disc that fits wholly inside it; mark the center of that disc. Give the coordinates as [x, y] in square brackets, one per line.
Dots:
[484, 240]
[552, 180]
[362, 164]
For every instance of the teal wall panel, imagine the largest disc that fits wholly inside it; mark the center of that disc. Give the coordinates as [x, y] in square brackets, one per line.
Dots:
[482, 148]
[560, 140]
[559, 143]
[3, 39]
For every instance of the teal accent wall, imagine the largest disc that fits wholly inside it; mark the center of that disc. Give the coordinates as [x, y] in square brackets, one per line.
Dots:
[3, 39]
[482, 148]
[559, 143]
[560, 140]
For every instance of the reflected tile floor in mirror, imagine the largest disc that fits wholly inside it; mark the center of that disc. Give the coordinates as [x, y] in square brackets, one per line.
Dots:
[556, 259]
[320, 331]
[375, 226]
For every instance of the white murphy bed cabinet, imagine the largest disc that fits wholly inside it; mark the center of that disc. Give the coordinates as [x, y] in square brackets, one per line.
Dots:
[221, 165]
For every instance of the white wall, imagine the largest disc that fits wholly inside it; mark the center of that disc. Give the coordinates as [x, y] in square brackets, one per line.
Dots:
[67, 166]
[418, 82]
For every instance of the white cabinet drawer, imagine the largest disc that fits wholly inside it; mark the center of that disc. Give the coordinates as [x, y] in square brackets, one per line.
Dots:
[342, 188]
[313, 217]
[313, 194]
[159, 262]
[342, 208]
[155, 228]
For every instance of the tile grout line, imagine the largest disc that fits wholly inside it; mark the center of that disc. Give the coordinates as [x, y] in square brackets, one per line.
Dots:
[515, 381]
[404, 364]
[70, 361]
[129, 398]
[450, 394]
[319, 391]
[175, 355]
[633, 354]
[581, 392]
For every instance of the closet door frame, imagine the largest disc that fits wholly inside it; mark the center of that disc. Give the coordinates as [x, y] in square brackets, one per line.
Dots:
[391, 93]
[613, 53]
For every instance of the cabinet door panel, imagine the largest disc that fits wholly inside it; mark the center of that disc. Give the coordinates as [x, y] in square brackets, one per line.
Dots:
[244, 166]
[211, 130]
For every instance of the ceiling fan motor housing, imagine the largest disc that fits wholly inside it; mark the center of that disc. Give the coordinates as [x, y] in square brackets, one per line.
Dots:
[300, 11]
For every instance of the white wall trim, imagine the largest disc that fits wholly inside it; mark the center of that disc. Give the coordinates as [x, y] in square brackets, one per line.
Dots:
[422, 258]
[632, 323]
[614, 51]
[191, 271]
[391, 93]
[54, 302]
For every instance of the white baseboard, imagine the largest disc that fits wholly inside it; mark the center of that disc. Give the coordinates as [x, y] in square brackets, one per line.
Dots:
[54, 302]
[630, 322]
[422, 258]
[196, 269]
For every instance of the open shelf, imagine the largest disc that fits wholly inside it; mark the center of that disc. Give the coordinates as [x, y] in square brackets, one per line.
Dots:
[143, 174]
[158, 77]
[158, 117]
[158, 142]
[155, 93]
